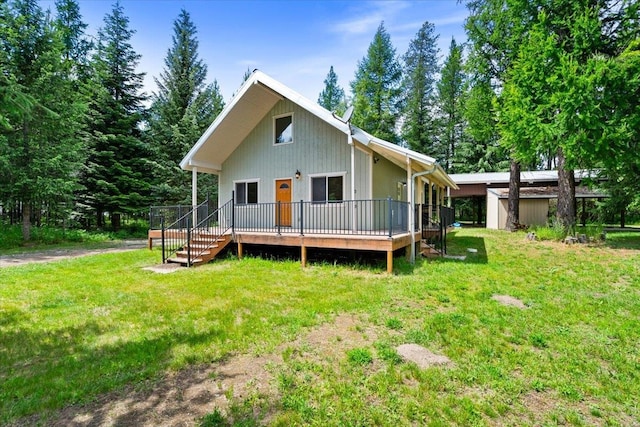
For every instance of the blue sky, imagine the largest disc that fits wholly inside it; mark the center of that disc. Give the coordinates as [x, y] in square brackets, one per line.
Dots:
[295, 42]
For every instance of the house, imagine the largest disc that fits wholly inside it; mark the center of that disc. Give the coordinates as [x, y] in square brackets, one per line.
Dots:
[538, 190]
[292, 173]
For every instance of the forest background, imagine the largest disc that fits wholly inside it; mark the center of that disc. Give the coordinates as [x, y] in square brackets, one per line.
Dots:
[545, 84]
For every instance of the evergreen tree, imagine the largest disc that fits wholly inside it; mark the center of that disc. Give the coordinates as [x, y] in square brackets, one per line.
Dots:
[555, 96]
[451, 105]
[182, 109]
[117, 171]
[41, 115]
[480, 149]
[377, 89]
[332, 96]
[420, 70]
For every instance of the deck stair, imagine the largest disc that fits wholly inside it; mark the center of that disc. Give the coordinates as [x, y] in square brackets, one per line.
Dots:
[203, 248]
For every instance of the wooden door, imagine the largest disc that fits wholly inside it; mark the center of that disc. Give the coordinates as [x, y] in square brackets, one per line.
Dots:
[283, 208]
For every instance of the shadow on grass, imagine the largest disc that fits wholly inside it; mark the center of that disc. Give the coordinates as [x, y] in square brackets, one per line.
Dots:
[460, 245]
[77, 370]
[623, 240]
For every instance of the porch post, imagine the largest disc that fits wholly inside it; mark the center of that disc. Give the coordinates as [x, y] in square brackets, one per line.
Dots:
[430, 200]
[438, 191]
[194, 194]
[353, 183]
[411, 212]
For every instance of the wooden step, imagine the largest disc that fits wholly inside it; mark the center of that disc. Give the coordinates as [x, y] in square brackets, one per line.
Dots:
[184, 253]
[200, 246]
[183, 261]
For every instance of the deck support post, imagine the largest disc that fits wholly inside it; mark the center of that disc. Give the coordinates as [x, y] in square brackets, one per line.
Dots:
[240, 250]
[389, 262]
[303, 256]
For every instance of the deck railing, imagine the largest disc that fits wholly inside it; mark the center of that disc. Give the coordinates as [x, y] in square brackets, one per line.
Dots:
[175, 233]
[378, 217]
[171, 214]
[435, 221]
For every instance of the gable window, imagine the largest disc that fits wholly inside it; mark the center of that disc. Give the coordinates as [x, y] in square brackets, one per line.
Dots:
[327, 189]
[283, 126]
[246, 193]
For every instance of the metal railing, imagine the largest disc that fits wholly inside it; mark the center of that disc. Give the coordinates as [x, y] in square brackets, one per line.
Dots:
[175, 234]
[208, 232]
[171, 214]
[435, 221]
[378, 217]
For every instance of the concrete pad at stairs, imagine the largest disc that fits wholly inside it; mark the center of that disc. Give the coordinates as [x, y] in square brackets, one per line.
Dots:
[164, 268]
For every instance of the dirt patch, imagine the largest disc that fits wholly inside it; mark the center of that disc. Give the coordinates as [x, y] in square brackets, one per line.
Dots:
[61, 254]
[421, 356]
[509, 301]
[181, 398]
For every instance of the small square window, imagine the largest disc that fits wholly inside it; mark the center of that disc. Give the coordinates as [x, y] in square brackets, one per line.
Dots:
[327, 189]
[283, 130]
[246, 193]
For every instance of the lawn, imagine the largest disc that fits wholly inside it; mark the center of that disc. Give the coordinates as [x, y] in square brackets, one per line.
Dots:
[74, 331]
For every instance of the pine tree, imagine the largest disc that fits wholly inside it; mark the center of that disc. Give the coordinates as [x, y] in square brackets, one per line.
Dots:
[377, 89]
[41, 143]
[117, 171]
[420, 70]
[480, 149]
[182, 109]
[451, 105]
[332, 96]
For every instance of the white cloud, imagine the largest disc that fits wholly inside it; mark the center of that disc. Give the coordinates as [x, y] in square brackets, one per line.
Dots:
[367, 20]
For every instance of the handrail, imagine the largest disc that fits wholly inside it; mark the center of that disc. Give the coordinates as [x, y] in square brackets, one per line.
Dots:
[210, 230]
[173, 235]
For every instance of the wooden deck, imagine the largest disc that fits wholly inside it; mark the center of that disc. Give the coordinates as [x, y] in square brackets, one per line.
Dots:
[378, 243]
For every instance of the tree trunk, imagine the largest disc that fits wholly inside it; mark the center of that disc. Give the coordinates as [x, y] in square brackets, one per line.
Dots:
[513, 213]
[566, 214]
[26, 222]
[622, 217]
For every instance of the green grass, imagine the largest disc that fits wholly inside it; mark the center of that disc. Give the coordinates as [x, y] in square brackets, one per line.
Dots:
[52, 237]
[75, 329]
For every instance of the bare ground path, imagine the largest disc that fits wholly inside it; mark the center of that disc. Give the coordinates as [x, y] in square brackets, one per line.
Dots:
[60, 254]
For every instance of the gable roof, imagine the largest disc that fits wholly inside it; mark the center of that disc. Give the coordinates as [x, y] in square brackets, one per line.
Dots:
[255, 98]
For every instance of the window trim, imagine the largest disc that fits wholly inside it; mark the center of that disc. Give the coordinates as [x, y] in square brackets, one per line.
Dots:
[273, 134]
[247, 181]
[327, 202]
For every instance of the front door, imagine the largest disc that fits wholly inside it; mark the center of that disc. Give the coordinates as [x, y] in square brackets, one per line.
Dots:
[283, 202]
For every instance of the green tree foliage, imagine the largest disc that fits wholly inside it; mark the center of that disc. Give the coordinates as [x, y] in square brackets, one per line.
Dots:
[183, 107]
[558, 96]
[450, 103]
[332, 96]
[41, 116]
[479, 149]
[377, 89]
[117, 172]
[420, 70]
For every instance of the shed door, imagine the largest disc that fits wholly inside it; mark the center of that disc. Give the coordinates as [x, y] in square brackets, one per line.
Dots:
[283, 202]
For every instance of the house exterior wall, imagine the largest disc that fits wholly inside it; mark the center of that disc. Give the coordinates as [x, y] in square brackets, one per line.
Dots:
[386, 176]
[317, 148]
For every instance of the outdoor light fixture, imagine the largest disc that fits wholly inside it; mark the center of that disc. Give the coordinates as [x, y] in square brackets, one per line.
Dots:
[375, 159]
[298, 174]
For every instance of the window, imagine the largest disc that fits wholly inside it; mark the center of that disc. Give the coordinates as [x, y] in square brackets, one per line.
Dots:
[246, 193]
[283, 129]
[327, 189]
